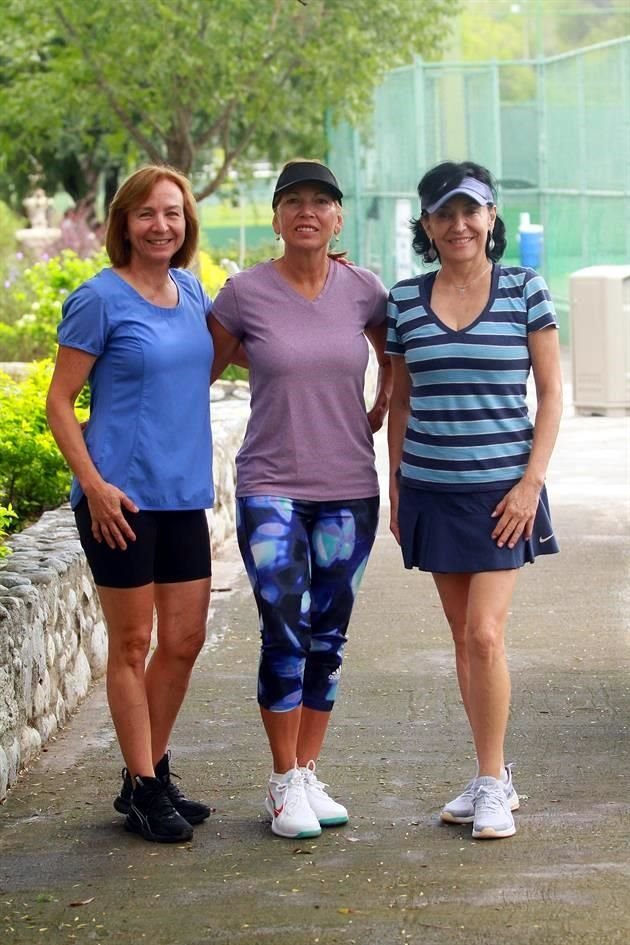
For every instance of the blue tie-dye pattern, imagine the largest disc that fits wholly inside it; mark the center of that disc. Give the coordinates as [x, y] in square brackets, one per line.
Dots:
[305, 561]
[272, 530]
[357, 577]
[335, 541]
[264, 553]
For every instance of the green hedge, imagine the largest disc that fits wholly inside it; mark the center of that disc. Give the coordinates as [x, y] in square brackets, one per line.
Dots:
[33, 474]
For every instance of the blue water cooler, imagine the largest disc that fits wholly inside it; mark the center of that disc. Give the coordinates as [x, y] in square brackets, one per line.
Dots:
[530, 242]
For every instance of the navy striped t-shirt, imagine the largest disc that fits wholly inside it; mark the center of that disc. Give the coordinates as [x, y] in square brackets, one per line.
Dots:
[469, 427]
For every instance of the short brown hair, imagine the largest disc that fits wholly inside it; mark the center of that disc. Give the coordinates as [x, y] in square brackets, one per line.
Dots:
[130, 194]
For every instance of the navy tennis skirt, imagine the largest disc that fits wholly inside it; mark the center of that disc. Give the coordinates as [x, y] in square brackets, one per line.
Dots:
[449, 532]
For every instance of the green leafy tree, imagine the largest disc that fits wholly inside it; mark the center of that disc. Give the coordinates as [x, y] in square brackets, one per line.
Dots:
[525, 29]
[201, 84]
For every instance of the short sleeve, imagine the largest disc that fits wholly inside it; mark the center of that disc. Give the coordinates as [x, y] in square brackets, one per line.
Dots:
[188, 282]
[394, 344]
[84, 321]
[225, 309]
[378, 313]
[540, 308]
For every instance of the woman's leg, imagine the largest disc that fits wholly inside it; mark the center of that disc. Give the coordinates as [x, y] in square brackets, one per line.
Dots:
[453, 592]
[341, 540]
[311, 734]
[489, 685]
[476, 606]
[282, 733]
[150, 812]
[129, 616]
[274, 544]
[182, 612]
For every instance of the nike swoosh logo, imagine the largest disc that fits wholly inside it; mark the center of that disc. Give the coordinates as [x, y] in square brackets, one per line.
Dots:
[276, 810]
[543, 540]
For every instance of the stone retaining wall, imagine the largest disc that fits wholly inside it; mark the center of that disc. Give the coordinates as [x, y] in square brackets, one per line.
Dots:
[53, 641]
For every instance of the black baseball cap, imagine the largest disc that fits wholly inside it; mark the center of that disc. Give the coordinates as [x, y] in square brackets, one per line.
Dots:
[306, 172]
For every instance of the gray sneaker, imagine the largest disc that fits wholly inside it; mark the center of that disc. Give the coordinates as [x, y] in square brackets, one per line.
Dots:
[461, 809]
[493, 817]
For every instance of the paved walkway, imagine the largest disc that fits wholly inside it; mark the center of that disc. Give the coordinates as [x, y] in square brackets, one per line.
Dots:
[398, 747]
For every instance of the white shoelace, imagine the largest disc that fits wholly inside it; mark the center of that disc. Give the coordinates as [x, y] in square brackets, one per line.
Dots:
[292, 790]
[490, 798]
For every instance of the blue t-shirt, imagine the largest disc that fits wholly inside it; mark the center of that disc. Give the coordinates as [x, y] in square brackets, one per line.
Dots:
[469, 427]
[149, 426]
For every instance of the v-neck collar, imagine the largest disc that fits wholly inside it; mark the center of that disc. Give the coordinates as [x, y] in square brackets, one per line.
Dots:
[289, 290]
[427, 287]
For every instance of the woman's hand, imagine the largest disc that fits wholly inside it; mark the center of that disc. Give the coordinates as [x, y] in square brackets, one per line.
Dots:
[376, 416]
[108, 522]
[516, 513]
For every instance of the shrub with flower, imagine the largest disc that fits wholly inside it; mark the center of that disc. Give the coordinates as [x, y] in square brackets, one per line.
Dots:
[38, 294]
[211, 275]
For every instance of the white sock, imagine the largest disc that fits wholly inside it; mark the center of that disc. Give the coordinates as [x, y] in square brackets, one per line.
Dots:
[504, 776]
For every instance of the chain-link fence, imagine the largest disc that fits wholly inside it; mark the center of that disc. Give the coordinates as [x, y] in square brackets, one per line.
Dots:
[555, 133]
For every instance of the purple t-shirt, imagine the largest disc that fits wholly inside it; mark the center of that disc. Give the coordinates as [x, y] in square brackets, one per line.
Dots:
[308, 436]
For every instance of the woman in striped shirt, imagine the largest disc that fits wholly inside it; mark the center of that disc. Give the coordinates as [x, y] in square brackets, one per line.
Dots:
[467, 464]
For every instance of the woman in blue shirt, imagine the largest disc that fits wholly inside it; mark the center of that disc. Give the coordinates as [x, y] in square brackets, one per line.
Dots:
[137, 334]
[467, 464]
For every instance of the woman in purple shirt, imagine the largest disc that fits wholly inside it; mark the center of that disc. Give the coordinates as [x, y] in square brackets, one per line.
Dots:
[307, 490]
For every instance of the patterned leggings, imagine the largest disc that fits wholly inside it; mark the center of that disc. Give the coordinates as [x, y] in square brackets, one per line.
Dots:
[305, 561]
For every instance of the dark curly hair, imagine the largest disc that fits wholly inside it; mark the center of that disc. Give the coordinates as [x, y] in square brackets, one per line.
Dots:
[439, 180]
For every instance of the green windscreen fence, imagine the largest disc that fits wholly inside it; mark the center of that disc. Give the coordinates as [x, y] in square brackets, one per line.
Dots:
[555, 133]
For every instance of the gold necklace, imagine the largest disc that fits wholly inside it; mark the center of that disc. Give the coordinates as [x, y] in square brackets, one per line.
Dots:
[462, 288]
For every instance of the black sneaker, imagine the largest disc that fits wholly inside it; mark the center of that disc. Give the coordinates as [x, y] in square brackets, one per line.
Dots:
[152, 815]
[192, 811]
[123, 802]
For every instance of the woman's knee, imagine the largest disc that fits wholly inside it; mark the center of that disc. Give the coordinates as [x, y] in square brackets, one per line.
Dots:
[485, 639]
[183, 647]
[130, 647]
[280, 679]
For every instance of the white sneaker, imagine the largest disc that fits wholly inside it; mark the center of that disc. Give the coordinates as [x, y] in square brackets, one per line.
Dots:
[493, 817]
[329, 812]
[290, 812]
[461, 809]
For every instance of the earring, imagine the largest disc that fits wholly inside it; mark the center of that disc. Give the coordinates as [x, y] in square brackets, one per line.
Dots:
[491, 243]
[277, 237]
[431, 254]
